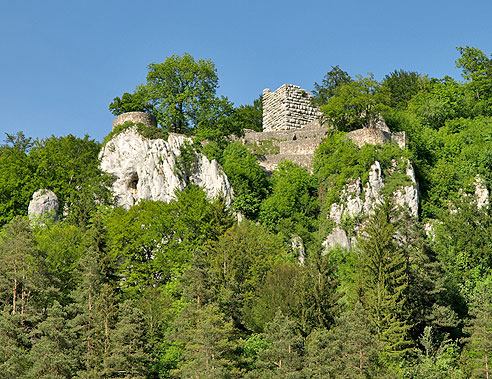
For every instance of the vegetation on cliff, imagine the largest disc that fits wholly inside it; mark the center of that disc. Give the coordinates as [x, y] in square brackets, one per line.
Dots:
[181, 289]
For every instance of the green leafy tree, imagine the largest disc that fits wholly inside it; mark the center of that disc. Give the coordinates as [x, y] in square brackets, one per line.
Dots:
[355, 104]
[152, 243]
[247, 178]
[63, 245]
[180, 92]
[464, 246]
[69, 166]
[333, 79]
[436, 360]
[402, 86]
[292, 206]
[477, 71]
[250, 116]
[17, 177]
[136, 102]
[239, 262]
[441, 100]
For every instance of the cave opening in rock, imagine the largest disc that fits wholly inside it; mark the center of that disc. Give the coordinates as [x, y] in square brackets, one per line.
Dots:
[132, 185]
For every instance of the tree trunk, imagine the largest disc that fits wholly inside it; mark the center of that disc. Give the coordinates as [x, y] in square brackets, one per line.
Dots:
[486, 365]
[14, 290]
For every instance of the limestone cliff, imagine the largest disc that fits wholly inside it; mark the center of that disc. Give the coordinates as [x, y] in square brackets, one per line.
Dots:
[358, 201]
[151, 169]
[44, 205]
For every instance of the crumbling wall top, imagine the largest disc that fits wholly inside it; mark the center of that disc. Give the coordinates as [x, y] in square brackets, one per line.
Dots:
[135, 117]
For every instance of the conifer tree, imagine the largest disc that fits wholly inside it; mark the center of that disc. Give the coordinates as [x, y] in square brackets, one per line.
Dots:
[52, 354]
[209, 345]
[129, 356]
[89, 334]
[348, 350]
[318, 294]
[14, 343]
[479, 330]
[283, 356]
[382, 282]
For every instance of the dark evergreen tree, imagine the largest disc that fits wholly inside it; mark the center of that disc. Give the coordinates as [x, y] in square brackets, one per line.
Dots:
[333, 79]
[383, 284]
[279, 291]
[318, 293]
[89, 334]
[14, 345]
[208, 342]
[479, 331]
[284, 355]
[24, 284]
[52, 353]
[129, 355]
[348, 350]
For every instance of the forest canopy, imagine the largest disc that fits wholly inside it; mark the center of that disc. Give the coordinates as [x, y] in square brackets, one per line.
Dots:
[182, 289]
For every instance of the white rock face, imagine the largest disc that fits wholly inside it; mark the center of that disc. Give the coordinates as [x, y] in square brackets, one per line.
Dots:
[408, 197]
[357, 202]
[338, 237]
[297, 247]
[147, 169]
[481, 193]
[44, 204]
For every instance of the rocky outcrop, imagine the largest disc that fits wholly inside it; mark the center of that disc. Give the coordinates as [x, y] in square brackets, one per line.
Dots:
[153, 169]
[358, 201]
[297, 248]
[44, 205]
[481, 193]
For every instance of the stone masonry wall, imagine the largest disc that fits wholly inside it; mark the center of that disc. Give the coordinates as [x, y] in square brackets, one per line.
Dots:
[289, 107]
[377, 136]
[296, 145]
[135, 117]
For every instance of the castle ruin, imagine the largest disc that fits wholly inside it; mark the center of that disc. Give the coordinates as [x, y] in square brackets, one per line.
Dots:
[292, 129]
[289, 107]
[136, 118]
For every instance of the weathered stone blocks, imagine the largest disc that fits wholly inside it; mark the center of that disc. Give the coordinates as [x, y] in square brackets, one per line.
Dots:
[135, 117]
[289, 107]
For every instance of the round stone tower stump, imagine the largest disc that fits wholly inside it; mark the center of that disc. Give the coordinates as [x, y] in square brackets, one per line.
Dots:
[135, 117]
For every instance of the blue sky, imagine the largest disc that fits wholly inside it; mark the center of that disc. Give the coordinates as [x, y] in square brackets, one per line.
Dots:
[62, 62]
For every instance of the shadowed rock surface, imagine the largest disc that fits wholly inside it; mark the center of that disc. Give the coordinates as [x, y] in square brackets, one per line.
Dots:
[44, 205]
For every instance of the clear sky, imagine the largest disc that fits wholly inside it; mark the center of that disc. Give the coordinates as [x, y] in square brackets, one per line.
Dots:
[62, 62]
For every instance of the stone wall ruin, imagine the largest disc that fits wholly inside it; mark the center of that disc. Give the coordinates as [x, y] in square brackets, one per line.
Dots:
[289, 107]
[136, 118]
